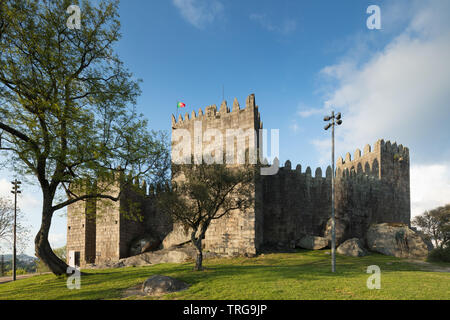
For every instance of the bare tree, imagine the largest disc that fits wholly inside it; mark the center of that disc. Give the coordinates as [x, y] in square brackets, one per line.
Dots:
[6, 227]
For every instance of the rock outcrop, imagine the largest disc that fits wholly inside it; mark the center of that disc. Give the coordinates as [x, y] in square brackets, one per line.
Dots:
[159, 285]
[341, 230]
[178, 236]
[396, 239]
[352, 247]
[312, 242]
[144, 244]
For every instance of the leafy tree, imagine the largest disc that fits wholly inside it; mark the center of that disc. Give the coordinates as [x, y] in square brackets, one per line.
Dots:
[67, 107]
[203, 193]
[436, 225]
[6, 227]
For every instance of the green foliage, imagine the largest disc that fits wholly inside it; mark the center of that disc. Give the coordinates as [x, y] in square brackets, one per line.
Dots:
[26, 266]
[67, 106]
[435, 224]
[439, 255]
[61, 253]
[66, 98]
[201, 193]
[41, 267]
[19, 271]
[282, 276]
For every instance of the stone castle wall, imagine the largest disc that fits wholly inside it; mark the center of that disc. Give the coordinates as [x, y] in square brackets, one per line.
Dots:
[80, 233]
[102, 231]
[236, 233]
[295, 204]
[373, 187]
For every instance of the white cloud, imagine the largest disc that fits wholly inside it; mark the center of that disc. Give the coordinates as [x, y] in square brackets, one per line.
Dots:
[199, 13]
[28, 203]
[57, 240]
[400, 93]
[285, 27]
[430, 187]
[294, 126]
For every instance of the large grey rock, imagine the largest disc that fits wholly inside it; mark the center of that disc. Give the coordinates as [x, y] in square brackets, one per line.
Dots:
[352, 247]
[426, 239]
[172, 255]
[341, 228]
[158, 285]
[395, 239]
[144, 244]
[178, 255]
[178, 236]
[313, 242]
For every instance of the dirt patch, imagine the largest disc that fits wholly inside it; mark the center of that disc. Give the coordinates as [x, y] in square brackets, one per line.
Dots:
[427, 266]
[22, 276]
[135, 291]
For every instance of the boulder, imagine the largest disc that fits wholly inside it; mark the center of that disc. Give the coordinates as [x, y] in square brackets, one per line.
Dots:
[396, 239]
[177, 255]
[313, 242]
[144, 244]
[341, 230]
[172, 255]
[352, 247]
[426, 239]
[158, 285]
[178, 236]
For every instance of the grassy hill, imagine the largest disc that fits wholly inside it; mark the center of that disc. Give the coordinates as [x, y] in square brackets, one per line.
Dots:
[299, 275]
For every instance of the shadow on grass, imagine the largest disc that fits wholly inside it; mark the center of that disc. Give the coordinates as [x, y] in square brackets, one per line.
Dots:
[304, 266]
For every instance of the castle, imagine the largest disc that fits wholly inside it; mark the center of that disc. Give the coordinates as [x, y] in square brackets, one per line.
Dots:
[373, 187]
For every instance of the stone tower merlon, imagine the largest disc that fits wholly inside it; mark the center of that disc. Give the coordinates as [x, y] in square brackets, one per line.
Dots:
[318, 175]
[386, 161]
[218, 133]
[210, 134]
[212, 113]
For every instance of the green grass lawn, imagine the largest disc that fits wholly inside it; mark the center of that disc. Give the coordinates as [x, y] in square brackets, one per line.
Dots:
[299, 275]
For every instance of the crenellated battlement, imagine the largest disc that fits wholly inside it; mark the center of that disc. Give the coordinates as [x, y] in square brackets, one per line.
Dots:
[371, 186]
[287, 169]
[212, 113]
[384, 154]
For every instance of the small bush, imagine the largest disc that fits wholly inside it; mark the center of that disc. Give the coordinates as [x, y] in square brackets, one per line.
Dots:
[19, 271]
[440, 254]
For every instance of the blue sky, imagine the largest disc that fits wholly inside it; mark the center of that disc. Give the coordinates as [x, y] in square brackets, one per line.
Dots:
[301, 59]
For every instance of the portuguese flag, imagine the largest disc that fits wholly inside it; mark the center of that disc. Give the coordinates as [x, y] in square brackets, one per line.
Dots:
[181, 105]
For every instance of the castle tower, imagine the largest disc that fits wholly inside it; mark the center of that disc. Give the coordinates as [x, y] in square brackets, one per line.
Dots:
[230, 136]
[101, 230]
[373, 187]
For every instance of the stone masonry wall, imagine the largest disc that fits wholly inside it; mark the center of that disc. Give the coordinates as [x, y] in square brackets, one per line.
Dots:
[295, 204]
[372, 188]
[81, 230]
[236, 233]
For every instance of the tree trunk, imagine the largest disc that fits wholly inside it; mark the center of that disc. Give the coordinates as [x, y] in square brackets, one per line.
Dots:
[197, 242]
[42, 246]
[199, 260]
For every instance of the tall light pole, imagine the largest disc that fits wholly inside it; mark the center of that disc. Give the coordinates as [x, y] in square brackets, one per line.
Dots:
[15, 190]
[335, 120]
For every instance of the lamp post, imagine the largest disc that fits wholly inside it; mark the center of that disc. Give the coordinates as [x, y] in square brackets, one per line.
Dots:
[16, 186]
[335, 120]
